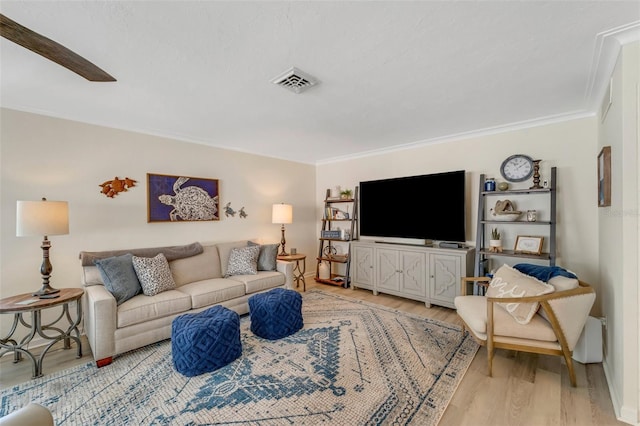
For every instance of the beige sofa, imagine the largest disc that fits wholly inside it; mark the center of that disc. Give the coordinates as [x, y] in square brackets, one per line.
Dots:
[114, 329]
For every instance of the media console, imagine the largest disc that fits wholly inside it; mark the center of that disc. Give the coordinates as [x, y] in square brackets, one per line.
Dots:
[428, 274]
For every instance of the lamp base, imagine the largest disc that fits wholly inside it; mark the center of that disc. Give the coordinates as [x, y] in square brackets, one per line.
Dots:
[47, 292]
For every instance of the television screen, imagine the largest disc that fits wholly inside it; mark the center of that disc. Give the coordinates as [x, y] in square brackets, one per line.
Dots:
[430, 207]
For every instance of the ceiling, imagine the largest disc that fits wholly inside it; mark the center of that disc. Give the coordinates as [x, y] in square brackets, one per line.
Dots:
[392, 74]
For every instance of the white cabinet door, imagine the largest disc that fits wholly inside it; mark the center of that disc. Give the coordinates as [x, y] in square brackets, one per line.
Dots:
[362, 266]
[413, 275]
[444, 270]
[387, 270]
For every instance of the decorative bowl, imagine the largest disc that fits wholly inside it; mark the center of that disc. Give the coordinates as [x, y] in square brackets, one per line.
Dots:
[506, 216]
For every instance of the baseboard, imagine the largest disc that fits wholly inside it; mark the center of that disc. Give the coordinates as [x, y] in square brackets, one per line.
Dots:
[623, 414]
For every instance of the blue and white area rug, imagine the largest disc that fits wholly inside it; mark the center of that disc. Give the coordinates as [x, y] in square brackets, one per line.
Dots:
[353, 363]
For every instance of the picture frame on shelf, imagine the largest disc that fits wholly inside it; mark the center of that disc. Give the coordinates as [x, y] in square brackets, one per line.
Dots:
[604, 177]
[527, 244]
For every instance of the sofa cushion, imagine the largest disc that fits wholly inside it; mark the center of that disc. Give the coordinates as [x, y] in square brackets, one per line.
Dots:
[561, 283]
[473, 311]
[268, 256]
[243, 261]
[119, 277]
[263, 280]
[224, 251]
[154, 274]
[209, 292]
[143, 308]
[509, 282]
[203, 266]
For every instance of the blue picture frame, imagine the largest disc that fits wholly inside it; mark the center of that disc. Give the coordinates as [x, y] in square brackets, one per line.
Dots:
[182, 199]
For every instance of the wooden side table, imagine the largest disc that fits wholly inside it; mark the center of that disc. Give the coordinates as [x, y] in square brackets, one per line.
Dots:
[298, 271]
[16, 305]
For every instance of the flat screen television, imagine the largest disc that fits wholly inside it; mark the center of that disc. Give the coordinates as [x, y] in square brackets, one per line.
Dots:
[429, 207]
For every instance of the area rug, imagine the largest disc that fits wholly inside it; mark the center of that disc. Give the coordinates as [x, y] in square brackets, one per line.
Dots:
[353, 363]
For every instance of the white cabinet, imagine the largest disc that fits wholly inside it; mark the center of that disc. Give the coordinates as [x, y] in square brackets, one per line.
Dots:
[445, 277]
[428, 274]
[362, 266]
[401, 272]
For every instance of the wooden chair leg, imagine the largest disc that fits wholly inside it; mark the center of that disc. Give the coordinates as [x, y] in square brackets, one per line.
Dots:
[490, 356]
[572, 373]
[490, 337]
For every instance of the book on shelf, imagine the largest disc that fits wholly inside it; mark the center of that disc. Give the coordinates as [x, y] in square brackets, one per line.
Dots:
[331, 233]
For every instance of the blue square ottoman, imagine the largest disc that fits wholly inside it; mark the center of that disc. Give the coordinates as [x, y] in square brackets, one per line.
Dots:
[205, 341]
[276, 313]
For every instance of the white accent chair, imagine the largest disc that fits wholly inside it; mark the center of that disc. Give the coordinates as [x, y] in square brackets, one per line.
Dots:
[553, 330]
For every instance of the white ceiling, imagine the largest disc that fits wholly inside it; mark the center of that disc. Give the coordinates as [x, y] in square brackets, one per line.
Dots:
[391, 73]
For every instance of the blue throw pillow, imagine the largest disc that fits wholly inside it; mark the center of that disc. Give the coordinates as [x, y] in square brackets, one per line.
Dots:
[543, 273]
[267, 258]
[119, 277]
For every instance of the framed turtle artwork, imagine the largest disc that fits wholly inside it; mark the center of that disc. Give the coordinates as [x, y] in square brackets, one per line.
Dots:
[182, 199]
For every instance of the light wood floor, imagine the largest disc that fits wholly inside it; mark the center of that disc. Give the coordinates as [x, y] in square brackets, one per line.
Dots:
[526, 389]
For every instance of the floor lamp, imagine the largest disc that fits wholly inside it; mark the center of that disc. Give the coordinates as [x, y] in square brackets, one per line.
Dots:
[43, 218]
[282, 213]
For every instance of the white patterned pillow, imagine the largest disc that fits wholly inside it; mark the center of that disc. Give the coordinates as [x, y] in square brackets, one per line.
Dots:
[154, 274]
[243, 261]
[509, 282]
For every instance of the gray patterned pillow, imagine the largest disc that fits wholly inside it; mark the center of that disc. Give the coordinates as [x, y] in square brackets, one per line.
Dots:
[267, 259]
[243, 261]
[154, 274]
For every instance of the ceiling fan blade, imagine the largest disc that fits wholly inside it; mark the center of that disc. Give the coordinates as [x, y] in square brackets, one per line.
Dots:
[51, 50]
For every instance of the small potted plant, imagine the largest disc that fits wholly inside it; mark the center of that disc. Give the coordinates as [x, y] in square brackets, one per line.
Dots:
[346, 193]
[495, 243]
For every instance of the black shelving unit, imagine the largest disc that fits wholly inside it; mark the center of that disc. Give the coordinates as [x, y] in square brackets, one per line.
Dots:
[331, 223]
[482, 253]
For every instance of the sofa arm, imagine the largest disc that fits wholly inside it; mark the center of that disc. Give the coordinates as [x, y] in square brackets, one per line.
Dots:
[100, 314]
[287, 269]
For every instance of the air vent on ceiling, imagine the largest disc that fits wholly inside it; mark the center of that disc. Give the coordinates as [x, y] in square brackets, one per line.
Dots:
[295, 80]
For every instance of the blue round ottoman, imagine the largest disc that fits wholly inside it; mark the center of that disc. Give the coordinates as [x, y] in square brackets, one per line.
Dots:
[205, 341]
[276, 313]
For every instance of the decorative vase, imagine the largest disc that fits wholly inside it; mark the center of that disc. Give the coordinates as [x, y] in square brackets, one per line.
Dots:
[495, 246]
[323, 271]
[490, 185]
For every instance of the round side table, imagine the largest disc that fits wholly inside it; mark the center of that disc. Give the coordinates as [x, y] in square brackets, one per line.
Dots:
[298, 270]
[24, 304]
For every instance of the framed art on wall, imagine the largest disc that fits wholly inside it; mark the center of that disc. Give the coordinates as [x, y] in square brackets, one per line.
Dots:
[604, 177]
[528, 244]
[181, 199]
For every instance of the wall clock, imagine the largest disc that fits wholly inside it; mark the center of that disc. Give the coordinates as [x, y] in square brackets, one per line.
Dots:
[517, 168]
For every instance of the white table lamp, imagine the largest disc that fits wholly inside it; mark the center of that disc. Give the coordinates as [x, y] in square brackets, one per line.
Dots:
[43, 218]
[282, 213]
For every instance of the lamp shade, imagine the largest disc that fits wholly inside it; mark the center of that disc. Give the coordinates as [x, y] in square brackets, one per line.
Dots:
[42, 218]
[282, 213]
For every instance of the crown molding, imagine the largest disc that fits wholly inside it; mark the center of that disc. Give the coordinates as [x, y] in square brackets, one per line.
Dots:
[487, 131]
[605, 55]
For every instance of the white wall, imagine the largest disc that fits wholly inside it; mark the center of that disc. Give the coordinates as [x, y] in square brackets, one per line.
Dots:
[65, 160]
[619, 241]
[570, 146]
